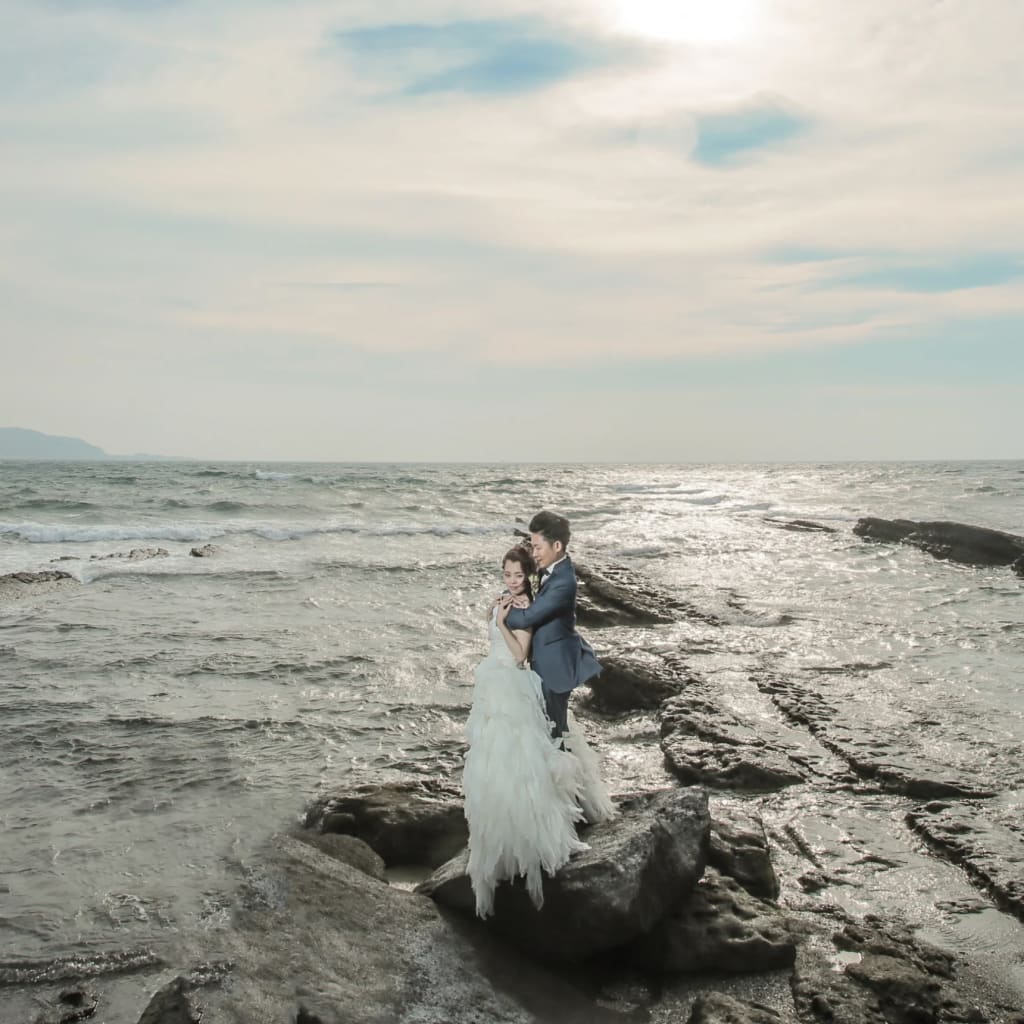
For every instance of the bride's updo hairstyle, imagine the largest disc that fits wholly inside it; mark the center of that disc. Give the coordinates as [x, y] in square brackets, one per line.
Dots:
[521, 557]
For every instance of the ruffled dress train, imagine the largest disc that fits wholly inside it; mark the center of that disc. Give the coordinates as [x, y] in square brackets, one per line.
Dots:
[523, 795]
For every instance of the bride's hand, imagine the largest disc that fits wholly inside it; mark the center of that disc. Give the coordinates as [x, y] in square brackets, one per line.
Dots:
[521, 601]
[504, 606]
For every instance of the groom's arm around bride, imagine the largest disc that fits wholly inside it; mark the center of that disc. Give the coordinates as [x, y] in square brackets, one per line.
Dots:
[561, 657]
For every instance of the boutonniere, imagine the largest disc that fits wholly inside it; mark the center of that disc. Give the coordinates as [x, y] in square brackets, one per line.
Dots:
[534, 583]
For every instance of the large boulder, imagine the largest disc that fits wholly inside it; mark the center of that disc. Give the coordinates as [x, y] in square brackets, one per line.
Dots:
[718, 926]
[406, 823]
[709, 745]
[957, 542]
[314, 941]
[638, 865]
[347, 849]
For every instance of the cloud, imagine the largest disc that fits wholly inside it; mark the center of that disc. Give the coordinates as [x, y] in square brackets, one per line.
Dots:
[486, 57]
[479, 188]
[724, 138]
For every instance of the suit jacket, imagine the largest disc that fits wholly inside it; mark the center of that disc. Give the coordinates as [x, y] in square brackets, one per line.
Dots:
[559, 655]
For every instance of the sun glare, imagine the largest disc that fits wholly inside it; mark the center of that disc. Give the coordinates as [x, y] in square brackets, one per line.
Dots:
[687, 21]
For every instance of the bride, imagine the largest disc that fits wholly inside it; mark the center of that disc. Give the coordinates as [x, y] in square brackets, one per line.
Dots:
[523, 795]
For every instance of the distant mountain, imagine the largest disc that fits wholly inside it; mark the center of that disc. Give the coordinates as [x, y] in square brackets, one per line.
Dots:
[18, 443]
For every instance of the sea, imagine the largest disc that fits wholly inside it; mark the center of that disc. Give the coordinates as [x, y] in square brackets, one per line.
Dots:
[163, 716]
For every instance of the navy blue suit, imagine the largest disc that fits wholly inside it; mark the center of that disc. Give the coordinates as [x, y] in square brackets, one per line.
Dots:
[559, 655]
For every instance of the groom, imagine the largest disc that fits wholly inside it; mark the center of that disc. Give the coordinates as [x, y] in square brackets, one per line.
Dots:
[560, 656]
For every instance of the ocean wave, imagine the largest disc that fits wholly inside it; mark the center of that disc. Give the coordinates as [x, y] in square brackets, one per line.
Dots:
[343, 667]
[56, 505]
[655, 489]
[708, 499]
[40, 533]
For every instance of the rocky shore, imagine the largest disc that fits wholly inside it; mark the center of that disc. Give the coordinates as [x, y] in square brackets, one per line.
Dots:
[778, 871]
[706, 900]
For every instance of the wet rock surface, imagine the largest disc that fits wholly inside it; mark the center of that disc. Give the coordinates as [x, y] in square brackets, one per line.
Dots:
[880, 972]
[612, 595]
[72, 1004]
[637, 865]
[956, 542]
[901, 766]
[739, 848]
[316, 940]
[719, 926]
[206, 551]
[705, 743]
[635, 681]
[347, 849]
[986, 840]
[405, 823]
[719, 1008]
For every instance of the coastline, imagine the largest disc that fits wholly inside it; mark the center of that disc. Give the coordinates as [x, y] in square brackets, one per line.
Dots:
[758, 748]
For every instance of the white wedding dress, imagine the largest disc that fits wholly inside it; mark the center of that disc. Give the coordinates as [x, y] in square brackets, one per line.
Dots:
[523, 795]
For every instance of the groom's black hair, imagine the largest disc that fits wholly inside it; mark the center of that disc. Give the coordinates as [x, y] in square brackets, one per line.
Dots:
[552, 526]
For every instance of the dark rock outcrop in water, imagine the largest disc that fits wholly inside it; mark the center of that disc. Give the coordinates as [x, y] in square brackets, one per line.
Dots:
[48, 576]
[616, 596]
[315, 940]
[206, 551]
[638, 865]
[986, 841]
[957, 542]
[636, 681]
[801, 526]
[18, 586]
[706, 744]
[419, 823]
[135, 555]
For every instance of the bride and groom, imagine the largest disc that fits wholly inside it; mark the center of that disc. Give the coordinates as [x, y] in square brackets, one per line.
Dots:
[530, 775]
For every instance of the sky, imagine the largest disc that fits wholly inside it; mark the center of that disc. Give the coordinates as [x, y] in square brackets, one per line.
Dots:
[597, 230]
